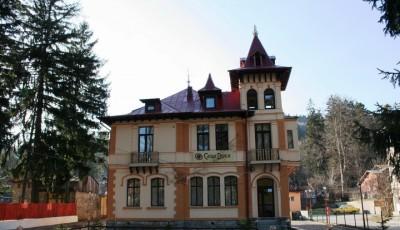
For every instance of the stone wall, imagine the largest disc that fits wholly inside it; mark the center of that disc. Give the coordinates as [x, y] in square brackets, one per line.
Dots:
[87, 206]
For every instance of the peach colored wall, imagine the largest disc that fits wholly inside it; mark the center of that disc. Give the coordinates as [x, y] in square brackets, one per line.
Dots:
[295, 205]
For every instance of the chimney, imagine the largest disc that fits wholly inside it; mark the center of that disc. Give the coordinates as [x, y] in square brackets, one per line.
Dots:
[242, 62]
[272, 58]
[189, 93]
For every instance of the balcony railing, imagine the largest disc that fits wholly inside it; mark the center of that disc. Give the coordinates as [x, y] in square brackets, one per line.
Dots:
[264, 155]
[144, 159]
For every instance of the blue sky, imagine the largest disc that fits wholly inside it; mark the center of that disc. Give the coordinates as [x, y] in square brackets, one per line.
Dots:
[333, 47]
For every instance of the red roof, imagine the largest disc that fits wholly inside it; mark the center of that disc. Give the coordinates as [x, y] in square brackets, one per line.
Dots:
[178, 103]
[181, 106]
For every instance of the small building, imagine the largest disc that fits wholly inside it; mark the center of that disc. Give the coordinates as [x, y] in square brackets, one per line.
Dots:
[295, 201]
[381, 185]
[207, 154]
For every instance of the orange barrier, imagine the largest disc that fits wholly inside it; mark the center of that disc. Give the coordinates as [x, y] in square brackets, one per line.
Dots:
[36, 210]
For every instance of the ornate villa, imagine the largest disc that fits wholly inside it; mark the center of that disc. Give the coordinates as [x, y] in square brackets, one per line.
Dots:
[207, 154]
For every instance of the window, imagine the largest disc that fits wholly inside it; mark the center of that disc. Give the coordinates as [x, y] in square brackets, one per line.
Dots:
[221, 137]
[157, 192]
[213, 191]
[133, 193]
[146, 139]
[150, 108]
[231, 196]
[263, 136]
[203, 138]
[252, 100]
[269, 99]
[210, 103]
[292, 198]
[196, 191]
[290, 139]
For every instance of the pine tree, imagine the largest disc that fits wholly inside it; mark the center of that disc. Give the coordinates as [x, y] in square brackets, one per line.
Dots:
[59, 98]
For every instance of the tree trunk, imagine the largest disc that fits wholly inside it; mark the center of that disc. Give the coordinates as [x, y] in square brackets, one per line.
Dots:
[37, 137]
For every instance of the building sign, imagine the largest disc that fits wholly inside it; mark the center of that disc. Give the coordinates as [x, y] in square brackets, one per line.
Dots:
[212, 156]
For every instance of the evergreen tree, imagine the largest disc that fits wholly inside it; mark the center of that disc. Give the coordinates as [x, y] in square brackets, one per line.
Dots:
[60, 97]
[9, 66]
[390, 10]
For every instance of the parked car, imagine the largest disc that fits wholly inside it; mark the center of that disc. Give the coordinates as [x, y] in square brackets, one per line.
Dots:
[345, 209]
[297, 216]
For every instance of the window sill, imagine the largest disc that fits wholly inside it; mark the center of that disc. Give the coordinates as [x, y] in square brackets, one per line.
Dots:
[132, 208]
[157, 207]
[212, 207]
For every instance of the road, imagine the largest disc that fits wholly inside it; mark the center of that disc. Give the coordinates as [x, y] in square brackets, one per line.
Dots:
[393, 224]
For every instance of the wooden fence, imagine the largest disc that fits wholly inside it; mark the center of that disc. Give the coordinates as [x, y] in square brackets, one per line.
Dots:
[17, 211]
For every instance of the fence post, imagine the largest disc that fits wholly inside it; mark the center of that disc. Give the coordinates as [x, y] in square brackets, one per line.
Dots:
[366, 215]
[336, 217]
[355, 223]
[344, 216]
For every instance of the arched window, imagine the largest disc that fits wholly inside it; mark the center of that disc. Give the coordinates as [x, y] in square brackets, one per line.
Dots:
[231, 194]
[133, 193]
[213, 191]
[252, 100]
[269, 99]
[157, 192]
[196, 191]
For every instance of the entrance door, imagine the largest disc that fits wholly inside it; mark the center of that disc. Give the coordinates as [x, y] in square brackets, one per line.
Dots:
[265, 195]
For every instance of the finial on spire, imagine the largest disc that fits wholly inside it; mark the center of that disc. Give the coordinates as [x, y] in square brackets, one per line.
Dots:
[255, 33]
[188, 78]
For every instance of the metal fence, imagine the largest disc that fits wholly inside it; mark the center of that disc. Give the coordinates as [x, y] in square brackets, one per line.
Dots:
[355, 220]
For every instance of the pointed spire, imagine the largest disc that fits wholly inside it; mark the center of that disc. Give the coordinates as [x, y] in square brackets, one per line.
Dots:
[256, 48]
[210, 85]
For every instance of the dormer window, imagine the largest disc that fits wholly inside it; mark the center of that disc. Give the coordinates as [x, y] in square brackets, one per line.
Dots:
[150, 108]
[210, 102]
[152, 105]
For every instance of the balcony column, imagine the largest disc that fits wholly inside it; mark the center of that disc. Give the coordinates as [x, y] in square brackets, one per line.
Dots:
[211, 135]
[274, 134]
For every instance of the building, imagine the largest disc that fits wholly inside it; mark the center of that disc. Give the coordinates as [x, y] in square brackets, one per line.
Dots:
[207, 154]
[380, 184]
[295, 201]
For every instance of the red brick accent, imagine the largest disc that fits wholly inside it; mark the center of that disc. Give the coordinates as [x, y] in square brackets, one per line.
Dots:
[284, 183]
[111, 194]
[242, 199]
[240, 135]
[182, 137]
[111, 144]
[181, 193]
[281, 134]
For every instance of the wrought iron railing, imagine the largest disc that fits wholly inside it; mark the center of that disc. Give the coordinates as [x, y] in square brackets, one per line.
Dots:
[264, 154]
[145, 158]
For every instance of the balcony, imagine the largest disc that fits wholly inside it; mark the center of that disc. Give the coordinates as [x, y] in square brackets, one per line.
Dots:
[146, 160]
[264, 156]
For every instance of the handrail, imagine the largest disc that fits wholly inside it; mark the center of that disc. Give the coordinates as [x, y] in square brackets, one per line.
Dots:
[144, 157]
[271, 154]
